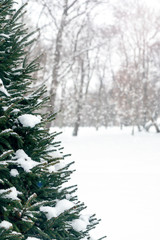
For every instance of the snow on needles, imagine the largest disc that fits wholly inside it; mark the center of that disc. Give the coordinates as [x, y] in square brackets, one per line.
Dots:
[10, 193]
[57, 167]
[61, 206]
[14, 172]
[24, 161]
[78, 225]
[3, 89]
[81, 223]
[29, 120]
[5, 224]
[32, 238]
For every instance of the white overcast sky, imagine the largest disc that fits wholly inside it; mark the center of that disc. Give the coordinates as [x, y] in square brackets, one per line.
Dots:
[104, 14]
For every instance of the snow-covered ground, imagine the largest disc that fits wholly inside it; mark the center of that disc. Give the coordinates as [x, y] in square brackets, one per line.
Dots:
[118, 177]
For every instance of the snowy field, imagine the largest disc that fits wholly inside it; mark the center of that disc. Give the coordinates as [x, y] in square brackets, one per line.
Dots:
[118, 177]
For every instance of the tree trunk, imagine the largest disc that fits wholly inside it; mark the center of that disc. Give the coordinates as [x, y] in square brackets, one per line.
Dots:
[133, 130]
[156, 127]
[56, 64]
[79, 100]
[76, 128]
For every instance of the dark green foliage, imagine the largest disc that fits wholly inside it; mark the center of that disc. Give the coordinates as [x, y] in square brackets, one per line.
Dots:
[27, 153]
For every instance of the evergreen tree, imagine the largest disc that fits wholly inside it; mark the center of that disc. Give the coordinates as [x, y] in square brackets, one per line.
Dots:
[34, 202]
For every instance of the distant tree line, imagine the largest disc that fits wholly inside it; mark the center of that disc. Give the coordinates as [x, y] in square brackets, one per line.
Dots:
[99, 74]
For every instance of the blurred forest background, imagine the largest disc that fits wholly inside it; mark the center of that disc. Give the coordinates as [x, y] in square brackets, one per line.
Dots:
[100, 61]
